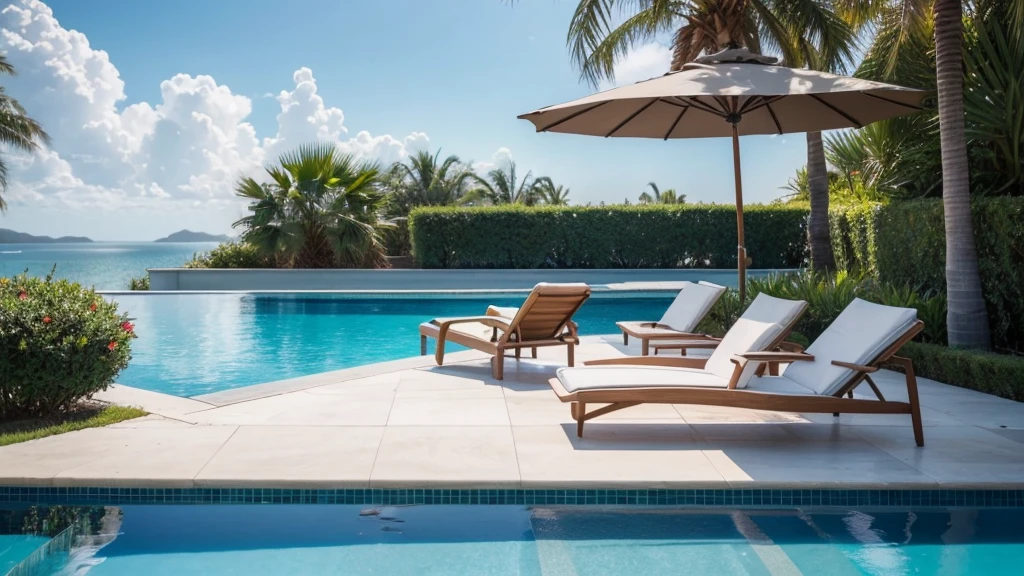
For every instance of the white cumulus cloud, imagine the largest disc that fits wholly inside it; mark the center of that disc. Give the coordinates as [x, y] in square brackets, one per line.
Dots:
[189, 147]
[642, 63]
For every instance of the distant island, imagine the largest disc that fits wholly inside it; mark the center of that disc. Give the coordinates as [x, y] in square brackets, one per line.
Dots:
[190, 236]
[12, 237]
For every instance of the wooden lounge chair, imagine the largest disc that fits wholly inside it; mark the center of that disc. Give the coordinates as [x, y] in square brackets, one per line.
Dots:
[864, 336]
[690, 306]
[544, 319]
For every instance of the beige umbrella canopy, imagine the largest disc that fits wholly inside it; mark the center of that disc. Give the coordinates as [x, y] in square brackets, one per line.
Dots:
[731, 93]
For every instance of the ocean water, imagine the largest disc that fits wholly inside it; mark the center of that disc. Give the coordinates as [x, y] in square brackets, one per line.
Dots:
[541, 541]
[103, 265]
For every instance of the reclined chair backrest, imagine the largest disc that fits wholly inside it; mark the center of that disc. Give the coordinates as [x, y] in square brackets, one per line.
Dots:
[757, 329]
[691, 305]
[547, 310]
[859, 335]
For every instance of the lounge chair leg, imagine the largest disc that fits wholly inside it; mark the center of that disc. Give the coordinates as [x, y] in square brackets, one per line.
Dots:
[498, 365]
[579, 414]
[915, 403]
[533, 352]
[423, 345]
[572, 356]
[625, 338]
[645, 346]
[518, 353]
[439, 352]
[773, 368]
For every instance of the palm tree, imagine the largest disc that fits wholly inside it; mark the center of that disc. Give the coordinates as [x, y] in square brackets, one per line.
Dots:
[903, 27]
[804, 32]
[505, 187]
[426, 180]
[551, 195]
[659, 197]
[17, 130]
[320, 209]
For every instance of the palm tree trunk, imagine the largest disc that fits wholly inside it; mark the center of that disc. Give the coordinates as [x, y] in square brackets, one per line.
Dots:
[817, 181]
[966, 318]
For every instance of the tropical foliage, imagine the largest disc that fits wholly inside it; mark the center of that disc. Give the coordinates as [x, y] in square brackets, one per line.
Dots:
[60, 343]
[656, 196]
[506, 186]
[427, 180]
[17, 130]
[319, 209]
[548, 193]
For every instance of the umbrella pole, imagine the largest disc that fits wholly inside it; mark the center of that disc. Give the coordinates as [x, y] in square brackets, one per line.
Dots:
[741, 250]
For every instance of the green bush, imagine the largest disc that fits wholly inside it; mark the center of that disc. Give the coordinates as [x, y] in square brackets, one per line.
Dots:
[59, 343]
[643, 236]
[998, 374]
[230, 255]
[139, 283]
[903, 244]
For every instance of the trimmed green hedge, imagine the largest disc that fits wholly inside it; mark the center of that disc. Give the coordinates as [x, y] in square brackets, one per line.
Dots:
[645, 236]
[903, 243]
[998, 374]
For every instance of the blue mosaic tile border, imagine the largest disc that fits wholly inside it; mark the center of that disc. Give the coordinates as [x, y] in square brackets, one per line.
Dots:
[701, 498]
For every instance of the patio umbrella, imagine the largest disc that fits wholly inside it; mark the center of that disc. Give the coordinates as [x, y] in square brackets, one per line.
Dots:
[731, 93]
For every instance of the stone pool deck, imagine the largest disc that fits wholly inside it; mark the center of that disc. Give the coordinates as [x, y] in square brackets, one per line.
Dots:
[412, 424]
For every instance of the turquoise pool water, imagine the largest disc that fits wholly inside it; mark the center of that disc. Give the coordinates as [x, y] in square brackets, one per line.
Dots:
[16, 547]
[511, 540]
[191, 344]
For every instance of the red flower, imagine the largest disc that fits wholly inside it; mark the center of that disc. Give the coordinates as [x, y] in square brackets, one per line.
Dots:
[22, 295]
[127, 327]
[112, 345]
[47, 319]
[92, 307]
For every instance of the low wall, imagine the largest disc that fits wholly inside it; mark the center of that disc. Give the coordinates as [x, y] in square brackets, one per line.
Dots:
[206, 279]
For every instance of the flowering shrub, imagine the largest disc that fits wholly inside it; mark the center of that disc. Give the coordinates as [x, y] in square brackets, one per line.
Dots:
[59, 343]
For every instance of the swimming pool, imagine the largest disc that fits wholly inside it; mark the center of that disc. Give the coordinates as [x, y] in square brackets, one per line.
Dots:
[534, 541]
[192, 344]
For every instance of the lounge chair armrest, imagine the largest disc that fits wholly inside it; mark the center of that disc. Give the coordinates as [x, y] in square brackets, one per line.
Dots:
[492, 321]
[790, 347]
[776, 356]
[857, 367]
[669, 361]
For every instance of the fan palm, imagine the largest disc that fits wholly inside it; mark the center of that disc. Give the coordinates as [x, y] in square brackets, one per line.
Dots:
[548, 193]
[503, 186]
[657, 196]
[17, 130]
[319, 209]
[426, 180]
[804, 32]
[900, 49]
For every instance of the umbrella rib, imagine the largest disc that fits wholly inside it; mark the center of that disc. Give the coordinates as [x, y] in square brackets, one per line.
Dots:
[678, 118]
[571, 116]
[890, 101]
[631, 116]
[747, 102]
[837, 111]
[700, 106]
[775, 119]
[764, 102]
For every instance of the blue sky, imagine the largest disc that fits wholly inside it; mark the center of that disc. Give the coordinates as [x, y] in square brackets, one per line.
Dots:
[149, 137]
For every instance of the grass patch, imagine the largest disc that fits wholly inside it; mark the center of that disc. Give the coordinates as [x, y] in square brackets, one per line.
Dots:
[85, 415]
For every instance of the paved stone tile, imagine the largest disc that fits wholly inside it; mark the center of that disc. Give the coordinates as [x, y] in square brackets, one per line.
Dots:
[448, 412]
[953, 455]
[152, 402]
[294, 457]
[446, 456]
[809, 463]
[611, 455]
[165, 457]
[530, 410]
[303, 408]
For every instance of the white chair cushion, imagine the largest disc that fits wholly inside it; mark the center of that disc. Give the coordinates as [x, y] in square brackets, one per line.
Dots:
[692, 303]
[779, 385]
[745, 336]
[760, 324]
[860, 333]
[605, 377]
